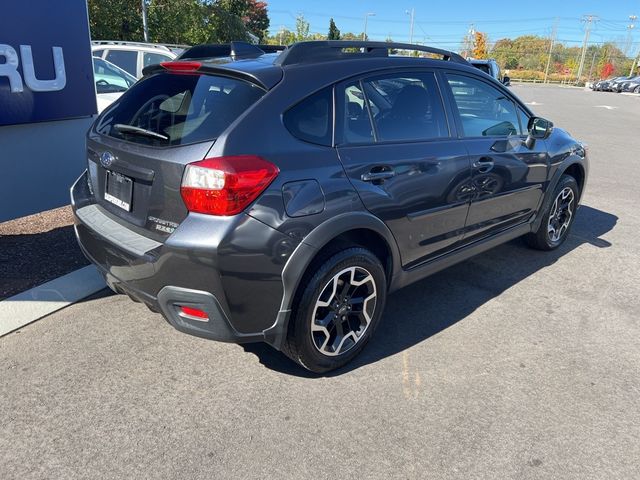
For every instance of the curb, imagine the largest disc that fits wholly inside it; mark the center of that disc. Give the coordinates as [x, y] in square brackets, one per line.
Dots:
[40, 301]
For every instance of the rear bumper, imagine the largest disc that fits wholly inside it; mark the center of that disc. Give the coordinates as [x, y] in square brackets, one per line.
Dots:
[229, 267]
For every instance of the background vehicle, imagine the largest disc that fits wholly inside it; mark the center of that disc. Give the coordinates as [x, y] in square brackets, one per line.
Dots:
[490, 67]
[279, 198]
[111, 82]
[132, 57]
[605, 85]
[616, 84]
[632, 85]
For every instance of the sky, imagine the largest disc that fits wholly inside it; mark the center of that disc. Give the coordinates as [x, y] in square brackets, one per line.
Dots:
[444, 23]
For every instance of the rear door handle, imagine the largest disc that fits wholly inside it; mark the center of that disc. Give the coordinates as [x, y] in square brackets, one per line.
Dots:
[376, 176]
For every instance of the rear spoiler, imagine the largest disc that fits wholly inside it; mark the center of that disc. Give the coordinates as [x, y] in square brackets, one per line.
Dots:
[234, 51]
[270, 76]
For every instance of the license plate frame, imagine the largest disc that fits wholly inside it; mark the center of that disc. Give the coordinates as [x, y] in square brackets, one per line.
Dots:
[118, 190]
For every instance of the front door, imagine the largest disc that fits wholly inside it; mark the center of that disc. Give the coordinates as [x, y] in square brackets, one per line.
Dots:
[508, 178]
[401, 155]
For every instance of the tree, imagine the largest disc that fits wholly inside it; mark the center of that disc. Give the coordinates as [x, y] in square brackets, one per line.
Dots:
[334, 33]
[393, 51]
[252, 13]
[480, 45]
[115, 19]
[607, 70]
[302, 28]
[179, 21]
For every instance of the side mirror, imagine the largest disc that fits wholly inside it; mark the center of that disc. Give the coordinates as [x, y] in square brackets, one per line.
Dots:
[539, 129]
[506, 81]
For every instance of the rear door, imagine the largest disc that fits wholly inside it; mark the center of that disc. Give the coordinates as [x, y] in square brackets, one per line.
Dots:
[401, 154]
[508, 179]
[140, 145]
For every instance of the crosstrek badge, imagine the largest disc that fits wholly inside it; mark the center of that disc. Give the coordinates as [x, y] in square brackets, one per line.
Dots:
[161, 225]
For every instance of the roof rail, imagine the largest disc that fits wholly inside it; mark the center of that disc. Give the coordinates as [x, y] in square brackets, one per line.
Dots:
[319, 51]
[133, 44]
[235, 50]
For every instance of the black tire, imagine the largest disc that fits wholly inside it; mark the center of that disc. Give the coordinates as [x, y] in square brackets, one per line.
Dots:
[302, 343]
[636, 90]
[543, 239]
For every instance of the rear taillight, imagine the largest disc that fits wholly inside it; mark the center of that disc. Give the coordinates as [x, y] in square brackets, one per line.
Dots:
[225, 185]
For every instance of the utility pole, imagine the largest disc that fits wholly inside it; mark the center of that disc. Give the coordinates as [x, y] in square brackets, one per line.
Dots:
[412, 15]
[553, 41]
[467, 47]
[588, 19]
[280, 34]
[593, 61]
[145, 25]
[630, 27]
[366, 17]
[636, 62]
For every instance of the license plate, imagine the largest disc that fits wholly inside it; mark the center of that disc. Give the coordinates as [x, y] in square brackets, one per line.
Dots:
[118, 190]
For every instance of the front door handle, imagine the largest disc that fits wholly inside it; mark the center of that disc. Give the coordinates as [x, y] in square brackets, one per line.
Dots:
[377, 175]
[484, 164]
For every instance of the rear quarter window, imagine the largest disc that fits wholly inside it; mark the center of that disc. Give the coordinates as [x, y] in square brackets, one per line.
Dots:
[175, 109]
[311, 119]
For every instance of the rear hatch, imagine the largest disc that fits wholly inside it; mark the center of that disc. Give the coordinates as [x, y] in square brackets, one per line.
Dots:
[139, 147]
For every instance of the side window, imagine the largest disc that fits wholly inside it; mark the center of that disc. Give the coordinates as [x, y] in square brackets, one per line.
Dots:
[311, 119]
[154, 58]
[125, 59]
[355, 121]
[97, 53]
[406, 107]
[484, 110]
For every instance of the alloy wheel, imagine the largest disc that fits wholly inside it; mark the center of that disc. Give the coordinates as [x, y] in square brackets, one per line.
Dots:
[343, 311]
[561, 214]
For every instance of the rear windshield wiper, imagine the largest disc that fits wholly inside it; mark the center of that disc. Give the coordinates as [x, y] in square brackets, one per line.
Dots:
[138, 131]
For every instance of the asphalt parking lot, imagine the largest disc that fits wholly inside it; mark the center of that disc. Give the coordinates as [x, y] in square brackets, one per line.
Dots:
[515, 364]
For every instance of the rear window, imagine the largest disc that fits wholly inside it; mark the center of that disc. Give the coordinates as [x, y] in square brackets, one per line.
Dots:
[483, 66]
[168, 109]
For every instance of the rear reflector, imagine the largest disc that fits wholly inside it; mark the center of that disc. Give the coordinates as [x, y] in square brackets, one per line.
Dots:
[194, 312]
[181, 66]
[225, 185]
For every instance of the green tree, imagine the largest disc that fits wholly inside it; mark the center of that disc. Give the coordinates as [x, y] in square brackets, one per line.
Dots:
[115, 19]
[334, 33]
[178, 21]
[393, 51]
[302, 29]
[252, 13]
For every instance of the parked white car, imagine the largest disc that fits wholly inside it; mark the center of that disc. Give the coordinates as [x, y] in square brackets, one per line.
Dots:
[131, 56]
[111, 82]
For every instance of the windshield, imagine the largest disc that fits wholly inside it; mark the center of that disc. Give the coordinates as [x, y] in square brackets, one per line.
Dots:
[109, 78]
[177, 109]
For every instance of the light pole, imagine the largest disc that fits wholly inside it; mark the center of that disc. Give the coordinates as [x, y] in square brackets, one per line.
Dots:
[366, 18]
[145, 26]
[412, 15]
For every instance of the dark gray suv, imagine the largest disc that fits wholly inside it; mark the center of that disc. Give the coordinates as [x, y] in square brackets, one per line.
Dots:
[280, 197]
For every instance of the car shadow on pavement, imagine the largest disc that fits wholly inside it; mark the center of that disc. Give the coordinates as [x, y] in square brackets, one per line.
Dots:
[419, 311]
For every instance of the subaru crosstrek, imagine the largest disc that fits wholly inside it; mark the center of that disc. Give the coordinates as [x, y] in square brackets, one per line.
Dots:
[281, 197]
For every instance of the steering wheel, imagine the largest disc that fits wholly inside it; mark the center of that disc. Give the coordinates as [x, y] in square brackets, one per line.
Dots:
[103, 83]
